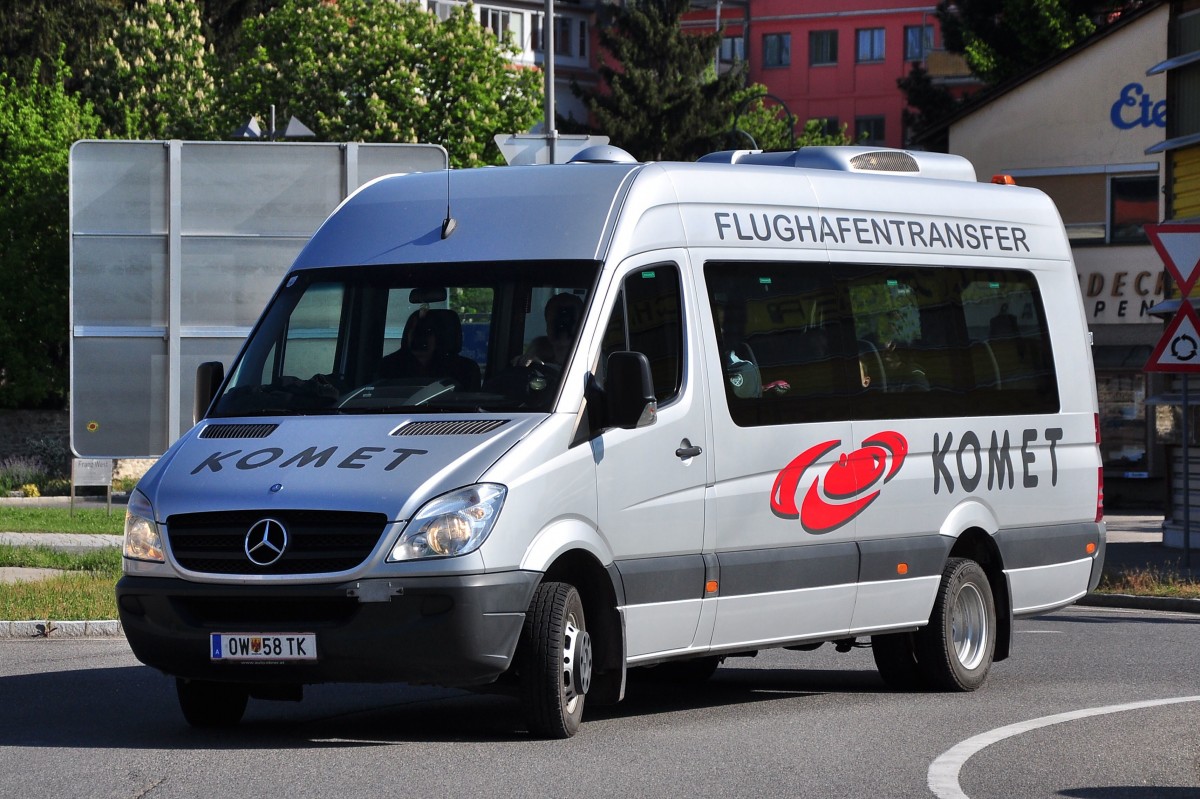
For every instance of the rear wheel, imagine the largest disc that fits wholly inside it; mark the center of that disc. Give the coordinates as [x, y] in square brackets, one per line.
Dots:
[555, 661]
[211, 704]
[896, 658]
[955, 650]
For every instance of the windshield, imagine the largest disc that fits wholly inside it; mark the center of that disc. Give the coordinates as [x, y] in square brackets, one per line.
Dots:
[414, 339]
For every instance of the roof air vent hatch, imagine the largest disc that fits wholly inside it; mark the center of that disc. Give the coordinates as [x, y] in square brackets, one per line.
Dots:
[885, 161]
[602, 154]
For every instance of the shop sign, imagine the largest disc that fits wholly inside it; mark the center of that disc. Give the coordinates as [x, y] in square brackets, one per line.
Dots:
[1113, 296]
[1134, 108]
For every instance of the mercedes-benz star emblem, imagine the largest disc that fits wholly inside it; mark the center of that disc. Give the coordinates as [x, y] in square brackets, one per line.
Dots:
[266, 541]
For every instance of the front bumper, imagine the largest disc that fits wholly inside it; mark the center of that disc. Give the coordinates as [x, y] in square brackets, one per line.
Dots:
[452, 631]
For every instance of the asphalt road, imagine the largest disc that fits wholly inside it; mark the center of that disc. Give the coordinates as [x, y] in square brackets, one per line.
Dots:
[81, 718]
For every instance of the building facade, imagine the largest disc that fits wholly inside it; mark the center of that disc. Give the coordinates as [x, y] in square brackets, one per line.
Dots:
[524, 20]
[836, 60]
[1080, 128]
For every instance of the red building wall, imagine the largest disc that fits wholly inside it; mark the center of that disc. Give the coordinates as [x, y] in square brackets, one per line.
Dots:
[846, 91]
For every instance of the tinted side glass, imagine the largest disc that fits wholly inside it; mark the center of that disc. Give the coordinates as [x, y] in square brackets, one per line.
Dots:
[875, 342]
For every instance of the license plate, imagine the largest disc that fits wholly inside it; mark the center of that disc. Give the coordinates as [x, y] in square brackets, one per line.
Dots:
[263, 646]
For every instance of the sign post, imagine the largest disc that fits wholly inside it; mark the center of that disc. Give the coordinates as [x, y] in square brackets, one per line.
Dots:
[92, 472]
[1179, 348]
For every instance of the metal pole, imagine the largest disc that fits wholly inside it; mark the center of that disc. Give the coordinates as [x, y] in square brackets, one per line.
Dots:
[1187, 488]
[548, 67]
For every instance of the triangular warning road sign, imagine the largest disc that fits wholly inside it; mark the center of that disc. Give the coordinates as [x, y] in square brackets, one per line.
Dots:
[1179, 348]
[1179, 247]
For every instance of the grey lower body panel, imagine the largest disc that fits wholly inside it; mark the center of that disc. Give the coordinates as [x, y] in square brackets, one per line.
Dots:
[454, 631]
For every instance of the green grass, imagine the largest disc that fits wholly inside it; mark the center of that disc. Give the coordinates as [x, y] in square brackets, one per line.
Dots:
[60, 520]
[1148, 582]
[84, 592]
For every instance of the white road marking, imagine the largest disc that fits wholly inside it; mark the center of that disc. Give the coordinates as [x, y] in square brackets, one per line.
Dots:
[943, 772]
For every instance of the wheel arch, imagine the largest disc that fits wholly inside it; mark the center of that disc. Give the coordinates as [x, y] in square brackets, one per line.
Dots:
[602, 594]
[980, 546]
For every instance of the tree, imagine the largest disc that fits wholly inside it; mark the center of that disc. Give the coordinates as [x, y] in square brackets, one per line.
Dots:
[761, 123]
[927, 102]
[1001, 39]
[658, 96]
[38, 124]
[384, 71]
[35, 30]
[152, 79]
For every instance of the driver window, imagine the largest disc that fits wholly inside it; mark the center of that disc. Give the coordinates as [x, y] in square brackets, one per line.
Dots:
[648, 318]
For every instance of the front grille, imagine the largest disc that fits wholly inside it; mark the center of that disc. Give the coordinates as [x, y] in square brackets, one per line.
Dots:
[318, 541]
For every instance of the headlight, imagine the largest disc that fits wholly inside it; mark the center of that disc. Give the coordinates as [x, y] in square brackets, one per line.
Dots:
[142, 541]
[453, 524]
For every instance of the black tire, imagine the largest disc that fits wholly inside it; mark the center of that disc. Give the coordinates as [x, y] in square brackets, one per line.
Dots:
[896, 658]
[555, 661]
[955, 650]
[211, 704]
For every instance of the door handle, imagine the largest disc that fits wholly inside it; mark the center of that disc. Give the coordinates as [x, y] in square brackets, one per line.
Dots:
[687, 450]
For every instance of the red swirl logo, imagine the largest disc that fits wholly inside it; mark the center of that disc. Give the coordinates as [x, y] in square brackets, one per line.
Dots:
[845, 489]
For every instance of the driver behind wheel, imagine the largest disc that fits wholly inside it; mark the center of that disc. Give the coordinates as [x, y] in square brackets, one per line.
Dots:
[563, 313]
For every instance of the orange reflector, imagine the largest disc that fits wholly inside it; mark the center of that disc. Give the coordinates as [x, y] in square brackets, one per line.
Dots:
[1004, 180]
[901, 568]
[710, 587]
[1091, 547]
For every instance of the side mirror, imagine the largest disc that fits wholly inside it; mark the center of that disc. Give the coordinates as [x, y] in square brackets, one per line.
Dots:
[209, 376]
[629, 391]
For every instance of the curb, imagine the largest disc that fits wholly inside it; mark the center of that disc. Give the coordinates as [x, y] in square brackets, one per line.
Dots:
[1135, 602]
[60, 629]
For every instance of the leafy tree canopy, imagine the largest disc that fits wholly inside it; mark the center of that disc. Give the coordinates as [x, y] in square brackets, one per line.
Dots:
[1001, 39]
[381, 71]
[659, 97]
[35, 31]
[152, 78]
[38, 123]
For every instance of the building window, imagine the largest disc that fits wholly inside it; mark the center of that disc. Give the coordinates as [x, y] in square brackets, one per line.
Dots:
[918, 41]
[868, 130]
[777, 49]
[733, 49]
[570, 36]
[1133, 203]
[502, 23]
[870, 45]
[830, 126]
[822, 48]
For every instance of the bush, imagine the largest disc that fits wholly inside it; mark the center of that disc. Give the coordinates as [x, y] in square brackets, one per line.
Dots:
[53, 454]
[19, 471]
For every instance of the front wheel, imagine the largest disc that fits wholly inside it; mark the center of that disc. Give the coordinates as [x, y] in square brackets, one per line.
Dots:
[555, 661]
[955, 650]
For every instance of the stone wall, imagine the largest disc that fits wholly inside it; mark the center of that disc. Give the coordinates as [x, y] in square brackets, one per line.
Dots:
[16, 427]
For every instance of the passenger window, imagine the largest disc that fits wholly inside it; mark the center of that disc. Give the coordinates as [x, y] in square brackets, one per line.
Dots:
[648, 318]
[875, 342]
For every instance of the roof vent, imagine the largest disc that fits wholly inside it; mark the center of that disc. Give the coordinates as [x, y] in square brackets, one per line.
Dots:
[849, 158]
[602, 154]
[885, 161]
